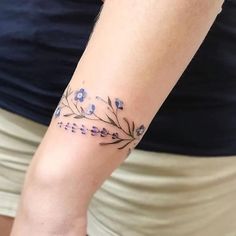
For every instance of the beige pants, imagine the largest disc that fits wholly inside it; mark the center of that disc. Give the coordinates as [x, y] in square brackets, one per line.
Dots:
[150, 194]
[19, 138]
[160, 194]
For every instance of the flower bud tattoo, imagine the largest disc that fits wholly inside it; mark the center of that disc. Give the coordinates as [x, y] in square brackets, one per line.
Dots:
[73, 104]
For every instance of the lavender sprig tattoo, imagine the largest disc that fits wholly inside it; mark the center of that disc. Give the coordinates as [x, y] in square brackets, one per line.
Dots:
[75, 109]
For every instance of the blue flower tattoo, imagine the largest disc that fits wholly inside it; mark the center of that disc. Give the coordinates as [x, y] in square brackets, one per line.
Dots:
[80, 95]
[90, 110]
[57, 112]
[119, 103]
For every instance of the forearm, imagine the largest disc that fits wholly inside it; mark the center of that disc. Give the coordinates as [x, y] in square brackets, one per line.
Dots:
[137, 52]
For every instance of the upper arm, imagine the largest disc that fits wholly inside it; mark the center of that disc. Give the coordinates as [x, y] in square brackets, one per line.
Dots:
[136, 53]
[142, 48]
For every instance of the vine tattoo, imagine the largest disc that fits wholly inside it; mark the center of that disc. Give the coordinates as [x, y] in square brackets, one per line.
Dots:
[72, 105]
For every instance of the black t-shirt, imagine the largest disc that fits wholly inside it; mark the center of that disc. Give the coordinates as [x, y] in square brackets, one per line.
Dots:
[42, 41]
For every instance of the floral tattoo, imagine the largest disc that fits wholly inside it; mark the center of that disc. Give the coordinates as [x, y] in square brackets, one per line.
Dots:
[72, 103]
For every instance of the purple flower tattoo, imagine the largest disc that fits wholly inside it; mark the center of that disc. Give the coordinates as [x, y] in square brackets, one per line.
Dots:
[95, 131]
[83, 129]
[104, 132]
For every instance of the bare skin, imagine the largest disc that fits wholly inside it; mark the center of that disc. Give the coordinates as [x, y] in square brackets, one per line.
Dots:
[6, 225]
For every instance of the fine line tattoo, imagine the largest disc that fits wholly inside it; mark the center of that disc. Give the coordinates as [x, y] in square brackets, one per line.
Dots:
[72, 103]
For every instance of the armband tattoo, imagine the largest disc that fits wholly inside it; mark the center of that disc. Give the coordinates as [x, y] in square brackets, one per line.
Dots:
[72, 105]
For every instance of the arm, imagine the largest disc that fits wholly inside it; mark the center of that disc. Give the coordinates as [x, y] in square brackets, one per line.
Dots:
[136, 53]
